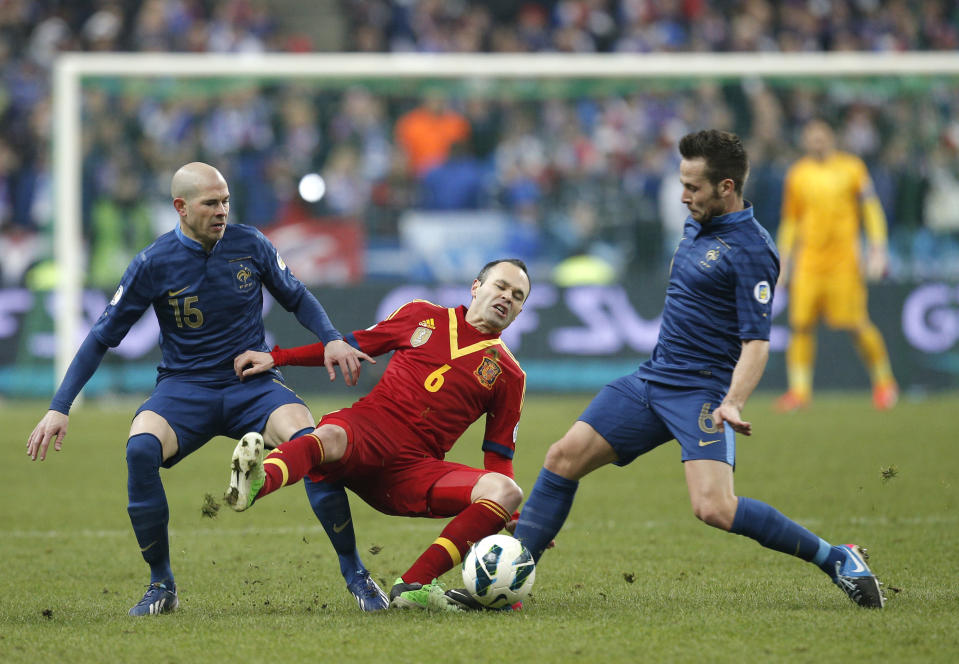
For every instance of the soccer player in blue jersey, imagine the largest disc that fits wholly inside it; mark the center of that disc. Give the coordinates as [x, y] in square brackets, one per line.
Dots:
[712, 350]
[204, 280]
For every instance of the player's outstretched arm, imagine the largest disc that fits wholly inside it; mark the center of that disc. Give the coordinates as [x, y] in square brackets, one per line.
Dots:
[252, 362]
[348, 358]
[749, 369]
[53, 427]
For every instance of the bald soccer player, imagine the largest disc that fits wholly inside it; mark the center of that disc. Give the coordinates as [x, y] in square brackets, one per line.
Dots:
[204, 280]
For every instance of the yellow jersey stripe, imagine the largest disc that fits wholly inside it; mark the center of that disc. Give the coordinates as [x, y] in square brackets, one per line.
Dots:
[455, 350]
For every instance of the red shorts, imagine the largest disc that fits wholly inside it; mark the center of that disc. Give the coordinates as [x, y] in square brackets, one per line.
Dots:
[401, 484]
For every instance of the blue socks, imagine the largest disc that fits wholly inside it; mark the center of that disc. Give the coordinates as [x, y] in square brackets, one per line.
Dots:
[775, 531]
[148, 508]
[332, 508]
[552, 496]
[545, 511]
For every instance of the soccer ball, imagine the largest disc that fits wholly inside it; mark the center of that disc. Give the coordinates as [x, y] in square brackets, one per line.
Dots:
[499, 571]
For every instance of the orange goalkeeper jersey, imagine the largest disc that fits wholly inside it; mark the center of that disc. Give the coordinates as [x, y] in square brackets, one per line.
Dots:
[820, 223]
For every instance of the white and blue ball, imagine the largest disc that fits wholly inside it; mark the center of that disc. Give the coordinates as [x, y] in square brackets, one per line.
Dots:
[499, 571]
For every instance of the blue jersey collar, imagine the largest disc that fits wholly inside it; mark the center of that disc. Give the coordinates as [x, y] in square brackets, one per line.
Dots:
[724, 220]
[190, 243]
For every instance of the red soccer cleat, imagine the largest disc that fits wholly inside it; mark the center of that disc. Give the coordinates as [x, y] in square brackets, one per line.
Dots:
[885, 396]
[790, 402]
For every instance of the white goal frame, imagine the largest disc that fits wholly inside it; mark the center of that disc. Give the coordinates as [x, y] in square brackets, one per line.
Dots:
[70, 68]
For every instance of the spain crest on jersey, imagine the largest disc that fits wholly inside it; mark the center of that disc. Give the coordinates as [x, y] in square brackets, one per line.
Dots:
[487, 372]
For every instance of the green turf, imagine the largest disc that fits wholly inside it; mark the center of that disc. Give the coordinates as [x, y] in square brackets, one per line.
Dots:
[634, 576]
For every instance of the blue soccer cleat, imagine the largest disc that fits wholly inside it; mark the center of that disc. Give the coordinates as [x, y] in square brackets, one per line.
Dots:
[368, 594]
[856, 579]
[158, 599]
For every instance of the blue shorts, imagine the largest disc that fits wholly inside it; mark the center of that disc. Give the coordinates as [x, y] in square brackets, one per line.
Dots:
[636, 416]
[197, 411]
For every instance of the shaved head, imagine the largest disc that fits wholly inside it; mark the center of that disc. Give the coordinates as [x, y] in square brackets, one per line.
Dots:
[202, 199]
[194, 177]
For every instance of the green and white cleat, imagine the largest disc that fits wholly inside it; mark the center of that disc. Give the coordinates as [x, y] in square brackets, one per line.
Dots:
[429, 597]
[247, 472]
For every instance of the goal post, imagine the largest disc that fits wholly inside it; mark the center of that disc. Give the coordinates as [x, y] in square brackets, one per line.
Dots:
[71, 69]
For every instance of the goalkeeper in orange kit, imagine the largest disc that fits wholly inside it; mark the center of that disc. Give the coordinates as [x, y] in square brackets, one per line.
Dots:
[826, 194]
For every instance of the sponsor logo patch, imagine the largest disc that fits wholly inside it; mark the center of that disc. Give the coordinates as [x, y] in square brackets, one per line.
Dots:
[117, 296]
[420, 336]
[279, 261]
[762, 292]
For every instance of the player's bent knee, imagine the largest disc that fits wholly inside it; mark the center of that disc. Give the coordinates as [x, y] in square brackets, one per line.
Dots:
[500, 489]
[144, 451]
[155, 425]
[558, 458]
[286, 421]
[335, 441]
[581, 451]
[715, 513]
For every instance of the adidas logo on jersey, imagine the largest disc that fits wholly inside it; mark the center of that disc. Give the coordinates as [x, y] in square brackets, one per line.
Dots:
[428, 323]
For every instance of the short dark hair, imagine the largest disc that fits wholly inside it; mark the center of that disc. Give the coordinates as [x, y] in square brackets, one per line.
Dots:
[723, 152]
[481, 277]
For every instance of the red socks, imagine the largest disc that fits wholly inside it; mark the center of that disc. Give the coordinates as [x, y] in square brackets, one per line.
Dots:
[291, 461]
[482, 518]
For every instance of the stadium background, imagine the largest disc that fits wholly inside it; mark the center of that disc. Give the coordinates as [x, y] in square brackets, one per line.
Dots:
[578, 179]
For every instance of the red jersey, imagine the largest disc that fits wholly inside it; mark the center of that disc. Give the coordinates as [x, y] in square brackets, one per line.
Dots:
[444, 374]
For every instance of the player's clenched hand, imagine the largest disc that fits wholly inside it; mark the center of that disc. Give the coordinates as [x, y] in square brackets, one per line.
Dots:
[53, 427]
[347, 357]
[728, 413]
[252, 362]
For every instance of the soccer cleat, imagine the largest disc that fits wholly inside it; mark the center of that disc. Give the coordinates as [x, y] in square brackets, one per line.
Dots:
[462, 598]
[157, 599]
[885, 396]
[430, 597]
[790, 402]
[247, 476]
[368, 594]
[856, 579]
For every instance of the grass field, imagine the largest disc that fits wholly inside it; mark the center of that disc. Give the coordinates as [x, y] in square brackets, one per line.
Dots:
[634, 576]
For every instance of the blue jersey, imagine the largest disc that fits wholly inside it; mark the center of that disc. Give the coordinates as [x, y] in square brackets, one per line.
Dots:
[719, 294]
[209, 305]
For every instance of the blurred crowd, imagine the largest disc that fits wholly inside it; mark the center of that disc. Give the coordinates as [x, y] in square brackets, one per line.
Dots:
[577, 174]
[647, 26]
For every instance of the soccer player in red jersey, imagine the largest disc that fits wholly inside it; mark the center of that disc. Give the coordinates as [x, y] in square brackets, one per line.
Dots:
[449, 367]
